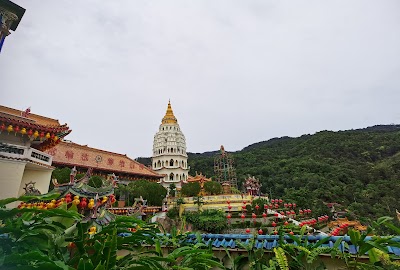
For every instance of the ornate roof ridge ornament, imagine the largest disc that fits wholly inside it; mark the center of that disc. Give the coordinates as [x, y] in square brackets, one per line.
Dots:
[169, 117]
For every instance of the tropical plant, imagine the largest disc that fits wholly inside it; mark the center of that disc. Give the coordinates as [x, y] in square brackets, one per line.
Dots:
[34, 238]
[375, 246]
[301, 254]
[59, 239]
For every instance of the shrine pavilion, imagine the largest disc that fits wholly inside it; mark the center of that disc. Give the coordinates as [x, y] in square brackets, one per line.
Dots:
[24, 138]
[102, 163]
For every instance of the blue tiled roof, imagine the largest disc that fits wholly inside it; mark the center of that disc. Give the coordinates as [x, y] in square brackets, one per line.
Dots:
[268, 242]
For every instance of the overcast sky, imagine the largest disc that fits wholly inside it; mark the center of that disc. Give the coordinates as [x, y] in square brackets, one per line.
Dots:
[237, 72]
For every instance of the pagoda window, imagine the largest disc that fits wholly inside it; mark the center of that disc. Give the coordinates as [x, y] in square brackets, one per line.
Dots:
[163, 163]
[177, 177]
[176, 163]
[171, 162]
[171, 177]
[155, 165]
[159, 164]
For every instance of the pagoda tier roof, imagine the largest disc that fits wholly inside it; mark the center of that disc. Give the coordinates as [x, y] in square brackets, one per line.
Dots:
[73, 154]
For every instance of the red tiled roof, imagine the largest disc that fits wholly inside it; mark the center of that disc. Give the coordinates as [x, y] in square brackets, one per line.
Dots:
[198, 178]
[72, 154]
[31, 118]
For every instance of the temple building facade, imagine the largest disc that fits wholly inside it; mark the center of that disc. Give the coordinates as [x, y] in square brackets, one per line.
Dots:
[102, 163]
[25, 167]
[169, 151]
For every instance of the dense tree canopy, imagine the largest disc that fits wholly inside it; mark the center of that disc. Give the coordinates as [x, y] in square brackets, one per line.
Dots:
[213, 188]
[360, 169]
[152, 192]
[61, 174]
[191, 189]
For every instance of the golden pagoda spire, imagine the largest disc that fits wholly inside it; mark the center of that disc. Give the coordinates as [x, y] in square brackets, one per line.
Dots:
[169, 117]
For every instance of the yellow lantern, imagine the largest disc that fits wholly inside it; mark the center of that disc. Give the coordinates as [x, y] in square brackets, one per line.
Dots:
[36, 134]
[47, 135]
[92, 230]
[10, 128]
[23, 131]
[55, 138]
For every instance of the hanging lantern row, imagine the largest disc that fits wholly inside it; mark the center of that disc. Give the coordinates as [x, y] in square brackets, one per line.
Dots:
[310, 222]
[337, 230]
[289, 205]
[323, 218]
[35, 134]
[305, 212]
[80, 203]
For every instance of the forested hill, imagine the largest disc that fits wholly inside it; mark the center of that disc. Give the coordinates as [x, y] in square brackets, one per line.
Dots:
[359, 169]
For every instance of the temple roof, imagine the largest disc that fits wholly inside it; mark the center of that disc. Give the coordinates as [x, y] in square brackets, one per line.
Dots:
[269, 242]
[30, 118]
[198, 178]
[73, 154]
[169, 117]
[44, 132]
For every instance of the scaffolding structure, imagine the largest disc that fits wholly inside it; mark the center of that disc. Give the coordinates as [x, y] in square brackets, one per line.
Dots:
[225, 172]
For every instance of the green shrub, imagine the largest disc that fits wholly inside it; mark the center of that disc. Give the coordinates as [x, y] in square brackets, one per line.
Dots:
[173, 213]
[212, 221]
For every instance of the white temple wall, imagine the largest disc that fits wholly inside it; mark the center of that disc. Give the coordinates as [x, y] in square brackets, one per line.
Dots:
[41, 176]
[11, 173]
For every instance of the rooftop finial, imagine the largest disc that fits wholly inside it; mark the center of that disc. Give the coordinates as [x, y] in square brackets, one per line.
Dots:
[169, 117]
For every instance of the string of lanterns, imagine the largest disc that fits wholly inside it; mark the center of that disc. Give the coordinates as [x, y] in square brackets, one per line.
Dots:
[31, 133]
